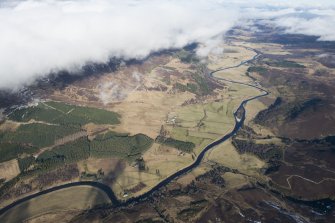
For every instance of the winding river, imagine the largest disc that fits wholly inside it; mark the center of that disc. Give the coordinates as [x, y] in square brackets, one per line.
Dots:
[116, 202]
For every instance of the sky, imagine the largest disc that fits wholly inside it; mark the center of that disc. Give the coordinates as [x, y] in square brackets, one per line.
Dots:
[39, 37]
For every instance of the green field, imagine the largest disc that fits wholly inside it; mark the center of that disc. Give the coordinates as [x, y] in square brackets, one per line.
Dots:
[64, 114]
[261, 70]
[27, 139]
[26, 162]
[58, 156]
[67, 153]
[10, 151]
[184, 134]
[104, 146]
[57, 120]
[207, 121]
[178, 144]
[38, 135]
[284, 64]
[123, 146]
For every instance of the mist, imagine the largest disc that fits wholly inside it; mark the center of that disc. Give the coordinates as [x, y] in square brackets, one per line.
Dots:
[40, 37]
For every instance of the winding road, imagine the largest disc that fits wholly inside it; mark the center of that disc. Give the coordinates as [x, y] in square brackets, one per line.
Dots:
[116, 202]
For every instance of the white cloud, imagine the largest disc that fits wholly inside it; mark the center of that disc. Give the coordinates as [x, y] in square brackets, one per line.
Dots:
[38, 37]
[110, 92]
[42, 36]
[315, 24]
[282, 3]
[296, 17]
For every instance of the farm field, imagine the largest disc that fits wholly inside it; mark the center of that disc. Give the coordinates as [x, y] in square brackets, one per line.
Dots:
[77, 198]
[64, 114]
[227, 156]
[9, 169]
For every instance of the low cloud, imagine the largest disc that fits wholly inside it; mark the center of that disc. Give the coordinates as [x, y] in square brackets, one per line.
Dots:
[315, 25]
[295, 17]
[110, 92]
[39, 37]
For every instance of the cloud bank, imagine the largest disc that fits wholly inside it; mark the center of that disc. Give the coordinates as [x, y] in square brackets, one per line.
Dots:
[39, 37]
[309, 24]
